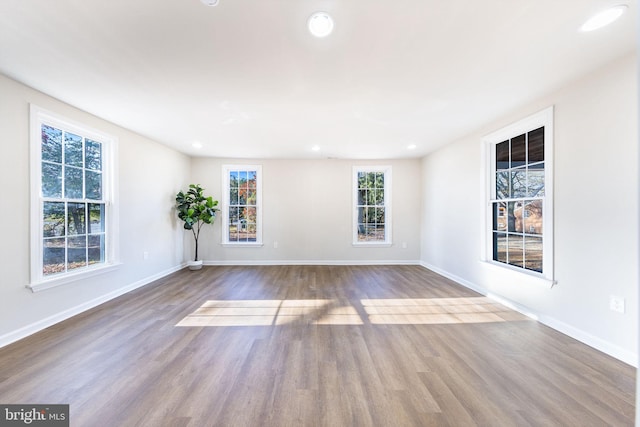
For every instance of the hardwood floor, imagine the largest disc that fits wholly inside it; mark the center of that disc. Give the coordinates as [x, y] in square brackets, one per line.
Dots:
[314, 346]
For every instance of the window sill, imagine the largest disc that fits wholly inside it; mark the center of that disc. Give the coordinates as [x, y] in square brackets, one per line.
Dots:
[372, 245]
[516, 274]
[242, 245]
[72, 277]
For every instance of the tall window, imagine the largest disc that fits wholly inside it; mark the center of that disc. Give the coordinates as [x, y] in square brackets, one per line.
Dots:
[519, 219]
[372, 210]
[72, 206]
[242, 223]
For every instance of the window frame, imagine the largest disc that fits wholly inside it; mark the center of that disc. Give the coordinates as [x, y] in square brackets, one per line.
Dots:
[38, 280]
[226, 169]
[544, 118]
[387, 170]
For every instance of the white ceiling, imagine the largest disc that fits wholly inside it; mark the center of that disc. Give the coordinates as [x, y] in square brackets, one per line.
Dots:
[246, 79]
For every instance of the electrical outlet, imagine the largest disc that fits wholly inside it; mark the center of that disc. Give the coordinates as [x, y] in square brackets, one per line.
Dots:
[616, 303]
[404, 245]
[275, 244]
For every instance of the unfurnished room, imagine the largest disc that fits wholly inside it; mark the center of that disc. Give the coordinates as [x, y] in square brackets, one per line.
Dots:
[319, 213]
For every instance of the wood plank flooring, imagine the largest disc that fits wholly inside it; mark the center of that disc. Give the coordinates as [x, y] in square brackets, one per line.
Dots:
[314, 346]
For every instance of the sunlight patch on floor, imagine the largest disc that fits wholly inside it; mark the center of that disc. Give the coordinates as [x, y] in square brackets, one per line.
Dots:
[385, 311]
[271, 312]
[423, 311]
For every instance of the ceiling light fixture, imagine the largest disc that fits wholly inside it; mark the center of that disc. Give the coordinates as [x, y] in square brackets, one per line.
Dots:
[604, 18]
[210, 2]
[315, 148]
[412, 147]
[320, 24]
[197, 144]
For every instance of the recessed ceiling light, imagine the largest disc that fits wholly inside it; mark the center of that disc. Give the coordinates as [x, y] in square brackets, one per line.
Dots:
[412, 147]
[197, 144]
[210, 2]
[603, 18]
[315, 148]
[320, 24]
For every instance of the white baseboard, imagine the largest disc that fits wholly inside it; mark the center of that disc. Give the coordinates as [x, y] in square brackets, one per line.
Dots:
[31, 329]
[311, 262]
[606, 347]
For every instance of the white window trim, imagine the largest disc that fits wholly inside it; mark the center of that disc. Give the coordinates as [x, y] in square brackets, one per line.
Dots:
[537, 120]
[38, 117]
[225, 205]
[388, 241]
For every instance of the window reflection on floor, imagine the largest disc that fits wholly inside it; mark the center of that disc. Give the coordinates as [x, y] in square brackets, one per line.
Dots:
[387, 311]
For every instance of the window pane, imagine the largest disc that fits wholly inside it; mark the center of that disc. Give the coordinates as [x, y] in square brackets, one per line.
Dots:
[95, 251]
[371, 215]
[233, 215]
[377, 233]
[233, 196]
[93, 155]
[253, 179]
[73, 150]
[233, 179]
[252, 199]
[96, 218]
[362, 180]
[51, 180]
[53, 219]
[361, 214]
[518, 183]
[500, 216]
[242, 179]
[252, 232]
[362, 197]
[518, 151]
[361, 232]
[379, 180]
[515, 248]
[93, 182]
[73, 183]
[502, 155]
[77, 252]
[512, 222]
[502, 185]
[53, 256]
[51, 144]
[242, 195]
[500, 247]
[533, 217]
[76, 218]
[371, 180]
[379, 194]
[533, 253]
[535, 182]
[380, 216]
[251, 215]
[536, 145]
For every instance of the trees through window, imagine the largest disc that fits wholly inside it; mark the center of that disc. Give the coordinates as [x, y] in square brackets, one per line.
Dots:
[372, 205]
[71, 198]
[242, 198]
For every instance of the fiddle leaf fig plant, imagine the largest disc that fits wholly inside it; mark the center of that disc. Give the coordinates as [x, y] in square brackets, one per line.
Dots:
[195, 210]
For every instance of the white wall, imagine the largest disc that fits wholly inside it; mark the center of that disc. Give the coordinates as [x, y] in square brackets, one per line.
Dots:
[307, 209]
[595, 218]
[149, 175]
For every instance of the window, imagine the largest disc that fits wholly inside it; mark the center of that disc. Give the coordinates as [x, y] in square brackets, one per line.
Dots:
[519, 229]
[241, 211]
[72, 204]
[372, 210]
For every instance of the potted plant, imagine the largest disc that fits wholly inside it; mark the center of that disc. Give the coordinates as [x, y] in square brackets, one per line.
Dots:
[195, 210]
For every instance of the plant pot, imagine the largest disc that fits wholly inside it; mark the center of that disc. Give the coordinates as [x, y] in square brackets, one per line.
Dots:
[194, 265]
